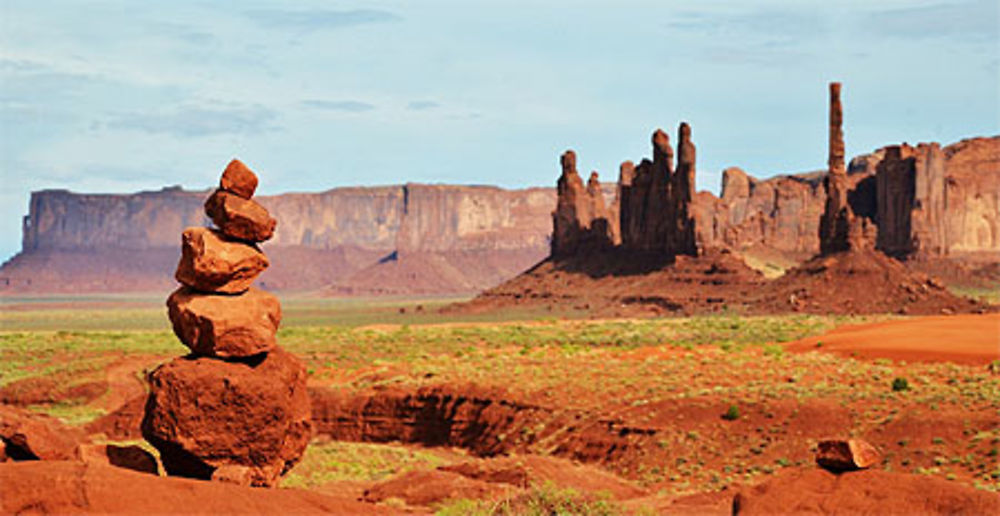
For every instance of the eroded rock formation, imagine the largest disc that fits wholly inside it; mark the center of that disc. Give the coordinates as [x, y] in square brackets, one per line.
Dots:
[236, 409]
[580, 220]
[654, 203]
[835, 231]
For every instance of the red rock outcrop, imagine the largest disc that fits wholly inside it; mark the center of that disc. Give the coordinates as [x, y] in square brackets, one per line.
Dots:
[29, 436]
[236, 410]
[863, 492]
[66, 487]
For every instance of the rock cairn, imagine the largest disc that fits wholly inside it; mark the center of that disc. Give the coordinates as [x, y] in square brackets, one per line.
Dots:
[236, 408]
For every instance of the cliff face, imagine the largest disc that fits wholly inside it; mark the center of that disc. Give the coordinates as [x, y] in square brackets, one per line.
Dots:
[61, 220]
[443, 218]
[79, 242]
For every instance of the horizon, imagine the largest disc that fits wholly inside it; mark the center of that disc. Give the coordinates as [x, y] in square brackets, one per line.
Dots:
[114, 99]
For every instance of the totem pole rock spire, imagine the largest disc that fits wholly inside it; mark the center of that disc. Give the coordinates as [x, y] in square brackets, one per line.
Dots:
[835, 223]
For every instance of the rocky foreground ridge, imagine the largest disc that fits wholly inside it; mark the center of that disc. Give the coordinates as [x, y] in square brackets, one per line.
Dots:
[932, 202]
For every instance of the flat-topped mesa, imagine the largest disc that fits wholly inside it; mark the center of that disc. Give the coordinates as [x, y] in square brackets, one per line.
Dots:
[580, 220]
[835, 232]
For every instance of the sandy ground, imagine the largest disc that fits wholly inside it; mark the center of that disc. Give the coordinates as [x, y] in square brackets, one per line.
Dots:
[963, 339]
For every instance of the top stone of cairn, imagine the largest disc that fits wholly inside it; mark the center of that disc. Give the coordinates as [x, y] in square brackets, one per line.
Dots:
[238, 179]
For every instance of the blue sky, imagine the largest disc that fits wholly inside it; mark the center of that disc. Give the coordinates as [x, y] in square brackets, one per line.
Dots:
[106, 96]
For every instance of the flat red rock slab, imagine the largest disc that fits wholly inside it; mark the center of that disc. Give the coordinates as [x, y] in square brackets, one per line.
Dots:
[240, 218]
[210, 262]
[74, 487]
[228, 326]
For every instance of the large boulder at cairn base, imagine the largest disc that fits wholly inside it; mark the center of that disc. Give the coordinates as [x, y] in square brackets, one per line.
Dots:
[240, 218]
[225, 326]
[249, 419]
[818, 491]
[238, 179]
[212, 263]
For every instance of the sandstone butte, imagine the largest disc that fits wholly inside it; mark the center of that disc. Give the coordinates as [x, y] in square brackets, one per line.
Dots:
[236, 410]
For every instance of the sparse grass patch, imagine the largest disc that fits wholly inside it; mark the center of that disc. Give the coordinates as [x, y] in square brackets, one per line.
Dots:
[332, 461]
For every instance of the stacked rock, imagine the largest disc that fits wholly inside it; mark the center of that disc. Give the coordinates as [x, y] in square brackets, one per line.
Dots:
[235, 409]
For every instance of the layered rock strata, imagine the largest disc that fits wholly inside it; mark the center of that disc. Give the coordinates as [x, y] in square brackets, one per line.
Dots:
[235, 409]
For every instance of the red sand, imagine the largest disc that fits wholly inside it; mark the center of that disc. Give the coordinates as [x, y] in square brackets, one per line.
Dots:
[966, 339]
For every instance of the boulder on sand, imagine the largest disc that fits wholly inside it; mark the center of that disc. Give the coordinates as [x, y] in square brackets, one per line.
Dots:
[128, 456]
[225, 326]
[238, 179]
[29, 436]
[204, 414]
[846, 455]
[212, 263]
[240, 218]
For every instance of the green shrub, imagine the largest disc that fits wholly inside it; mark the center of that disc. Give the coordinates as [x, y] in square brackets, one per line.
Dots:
[732, 414]
[900, 384]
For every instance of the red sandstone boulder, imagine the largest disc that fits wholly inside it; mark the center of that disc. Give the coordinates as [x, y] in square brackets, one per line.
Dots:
[239, 218]
[211, 263]
[29, 436]
[225, 326]
[238, 179]
[846, 455]
[128, 457]
[204, 414]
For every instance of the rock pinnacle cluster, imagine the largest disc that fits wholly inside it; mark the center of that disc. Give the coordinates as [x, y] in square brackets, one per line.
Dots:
[236, 408]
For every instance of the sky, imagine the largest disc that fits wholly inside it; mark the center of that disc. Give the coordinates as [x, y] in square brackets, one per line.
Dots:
[116, 96]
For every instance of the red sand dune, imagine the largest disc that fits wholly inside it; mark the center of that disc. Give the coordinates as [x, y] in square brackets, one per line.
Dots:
[966, 339]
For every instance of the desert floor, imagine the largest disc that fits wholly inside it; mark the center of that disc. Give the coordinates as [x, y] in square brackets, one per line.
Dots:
[418, 412]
